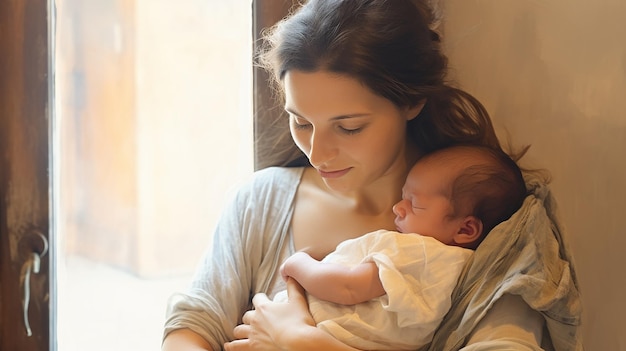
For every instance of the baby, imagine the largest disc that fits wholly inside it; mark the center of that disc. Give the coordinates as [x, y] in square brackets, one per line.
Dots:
[389, 290]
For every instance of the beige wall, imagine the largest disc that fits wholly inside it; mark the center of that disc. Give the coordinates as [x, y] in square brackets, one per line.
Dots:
[553, 74]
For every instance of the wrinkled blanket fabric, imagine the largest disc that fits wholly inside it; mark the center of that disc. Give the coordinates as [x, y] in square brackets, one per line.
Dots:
[528, 256]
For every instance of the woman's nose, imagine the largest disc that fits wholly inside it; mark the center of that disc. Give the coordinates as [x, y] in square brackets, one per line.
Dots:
[322, 149]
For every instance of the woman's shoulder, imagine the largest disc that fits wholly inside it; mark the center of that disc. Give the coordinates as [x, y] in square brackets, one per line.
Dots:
[265, 193]
[274, 182]
[272, 177]
[278, 174]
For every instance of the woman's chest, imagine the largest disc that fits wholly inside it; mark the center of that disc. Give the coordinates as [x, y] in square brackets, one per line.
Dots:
[319, 226]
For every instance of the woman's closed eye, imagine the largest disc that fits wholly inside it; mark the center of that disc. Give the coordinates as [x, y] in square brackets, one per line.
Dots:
[300, 123]
[350, 131]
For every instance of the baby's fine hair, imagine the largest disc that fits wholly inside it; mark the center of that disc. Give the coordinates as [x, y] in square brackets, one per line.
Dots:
[492, 189]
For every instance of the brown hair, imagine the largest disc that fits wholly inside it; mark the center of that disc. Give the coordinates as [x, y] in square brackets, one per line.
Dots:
[388, 46]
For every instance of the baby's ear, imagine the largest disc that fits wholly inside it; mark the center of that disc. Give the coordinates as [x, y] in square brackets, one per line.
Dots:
[470, 230]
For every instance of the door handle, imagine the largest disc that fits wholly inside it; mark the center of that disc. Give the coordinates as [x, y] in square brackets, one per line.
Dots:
[31, 265]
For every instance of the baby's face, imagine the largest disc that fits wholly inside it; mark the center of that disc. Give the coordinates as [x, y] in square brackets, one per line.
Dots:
[425, 207]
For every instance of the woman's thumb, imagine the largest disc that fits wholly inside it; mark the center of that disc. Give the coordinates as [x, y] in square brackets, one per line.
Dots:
[295, 291]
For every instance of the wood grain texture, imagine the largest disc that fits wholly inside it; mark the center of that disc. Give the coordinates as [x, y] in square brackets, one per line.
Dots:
[24, 194]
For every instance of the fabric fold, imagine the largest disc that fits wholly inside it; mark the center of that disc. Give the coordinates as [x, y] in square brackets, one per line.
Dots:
[527, 256]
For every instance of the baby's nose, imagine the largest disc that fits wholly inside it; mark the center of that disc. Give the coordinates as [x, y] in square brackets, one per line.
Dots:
[398, 210]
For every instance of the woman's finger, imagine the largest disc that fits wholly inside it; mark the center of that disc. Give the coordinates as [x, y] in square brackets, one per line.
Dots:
[264, 328]
[237, 345]
[295, 291]
[260, 298]
[247, 317]
[242, 331]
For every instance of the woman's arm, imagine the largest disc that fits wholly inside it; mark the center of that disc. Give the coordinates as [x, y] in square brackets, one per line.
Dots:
[334, 282]
[184, 340]
[214, 303]
[251, 225]
[282, 326]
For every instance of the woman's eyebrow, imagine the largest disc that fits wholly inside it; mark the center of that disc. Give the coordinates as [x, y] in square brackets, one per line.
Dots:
[292, 111]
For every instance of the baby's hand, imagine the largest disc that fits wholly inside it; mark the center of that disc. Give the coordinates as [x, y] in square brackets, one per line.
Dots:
[291, 263]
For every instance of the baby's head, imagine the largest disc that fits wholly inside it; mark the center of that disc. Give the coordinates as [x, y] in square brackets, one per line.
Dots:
[458, 194]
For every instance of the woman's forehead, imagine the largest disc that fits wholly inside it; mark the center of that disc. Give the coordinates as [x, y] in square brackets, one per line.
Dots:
[329, 95]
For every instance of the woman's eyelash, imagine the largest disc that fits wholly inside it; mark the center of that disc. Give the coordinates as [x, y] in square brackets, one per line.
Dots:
[351, 131]
[297, 125]
[348, 131]
[301, 126]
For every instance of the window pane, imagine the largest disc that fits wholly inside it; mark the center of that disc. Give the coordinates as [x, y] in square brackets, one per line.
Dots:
[155, 126]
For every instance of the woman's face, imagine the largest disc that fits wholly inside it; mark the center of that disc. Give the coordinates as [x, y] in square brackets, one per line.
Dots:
[352, 136]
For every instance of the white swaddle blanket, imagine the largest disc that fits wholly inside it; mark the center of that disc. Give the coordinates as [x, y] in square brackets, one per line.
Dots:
[418, 274]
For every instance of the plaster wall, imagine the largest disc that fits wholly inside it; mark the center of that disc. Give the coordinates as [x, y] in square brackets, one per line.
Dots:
[553, 75]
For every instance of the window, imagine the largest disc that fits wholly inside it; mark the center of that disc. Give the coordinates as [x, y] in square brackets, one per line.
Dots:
[154, 118]
[45, 91]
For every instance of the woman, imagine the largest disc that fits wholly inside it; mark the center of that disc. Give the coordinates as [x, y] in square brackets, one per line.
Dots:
[364, 88]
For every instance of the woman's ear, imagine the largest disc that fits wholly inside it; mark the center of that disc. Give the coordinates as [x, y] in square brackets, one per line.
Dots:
[415, 110]
[470, 230]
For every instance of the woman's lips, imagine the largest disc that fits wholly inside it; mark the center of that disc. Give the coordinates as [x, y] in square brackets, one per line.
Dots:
[334, 174]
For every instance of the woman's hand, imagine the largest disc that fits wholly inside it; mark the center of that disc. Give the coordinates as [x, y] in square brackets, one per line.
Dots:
[273, 325]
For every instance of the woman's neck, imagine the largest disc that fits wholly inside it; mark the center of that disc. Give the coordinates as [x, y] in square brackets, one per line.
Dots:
[379, 197]
[412, 153]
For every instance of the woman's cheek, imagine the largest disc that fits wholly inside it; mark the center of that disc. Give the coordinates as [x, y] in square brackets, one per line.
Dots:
[300, 140]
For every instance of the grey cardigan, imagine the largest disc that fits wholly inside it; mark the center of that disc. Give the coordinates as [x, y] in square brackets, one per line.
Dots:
[250, 242]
